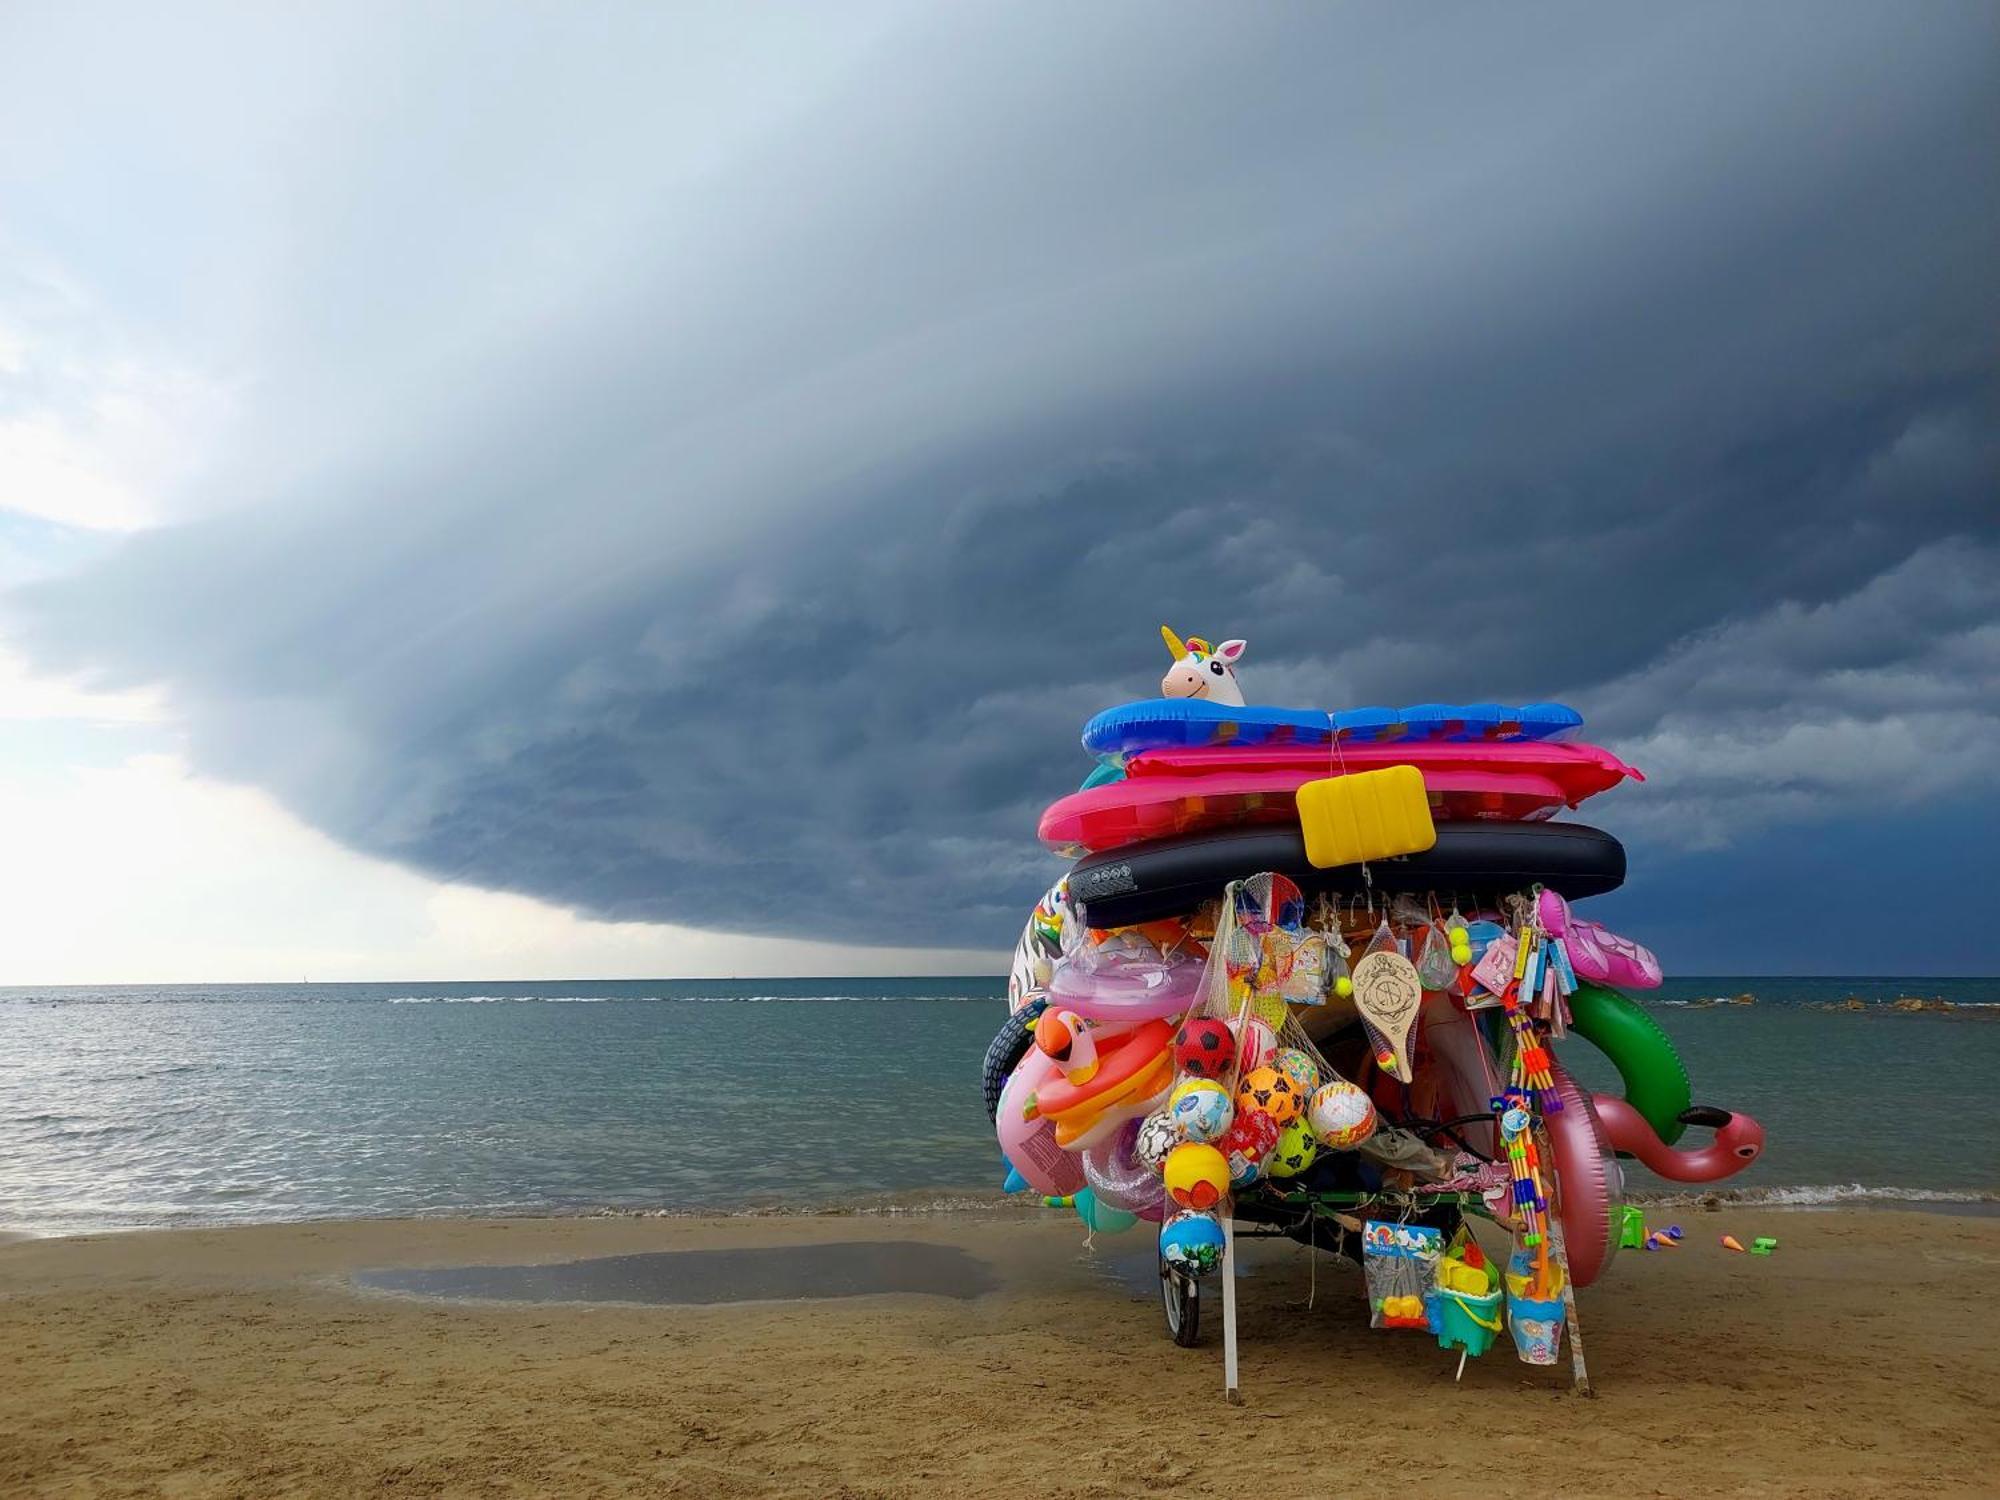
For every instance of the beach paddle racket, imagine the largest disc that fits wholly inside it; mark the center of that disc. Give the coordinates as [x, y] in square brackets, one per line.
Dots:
[1387, 992]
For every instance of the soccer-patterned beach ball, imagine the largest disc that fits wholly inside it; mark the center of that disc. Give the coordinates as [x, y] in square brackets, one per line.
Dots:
[1341, 1115]
[1201, 1110]
[1157, 1136]
[1270, 1091]
[1191, 1243]
[1204, 1048]
[1296, 1150]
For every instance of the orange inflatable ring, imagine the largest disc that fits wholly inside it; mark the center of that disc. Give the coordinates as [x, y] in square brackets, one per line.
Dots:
[1153, 1084]
[1121, 1066]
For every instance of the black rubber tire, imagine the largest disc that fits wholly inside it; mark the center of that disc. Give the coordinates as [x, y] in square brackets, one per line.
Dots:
[1180, 1297]
[1010, 1045]
[1168, 877]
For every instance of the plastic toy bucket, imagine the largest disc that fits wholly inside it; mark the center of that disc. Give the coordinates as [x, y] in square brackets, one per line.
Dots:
[1537, 1328]
[1465, 1321]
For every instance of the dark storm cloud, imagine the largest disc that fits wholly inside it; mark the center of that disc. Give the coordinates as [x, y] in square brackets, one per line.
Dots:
[761, 578]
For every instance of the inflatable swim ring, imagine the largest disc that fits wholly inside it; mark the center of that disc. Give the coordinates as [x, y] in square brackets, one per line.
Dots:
[1167, 723]
[1655, 1079]
[1590, 1185]
[1125, 988]
[1123, 1064]
[1173, 876]
[1081, 1129]
[1739, 1140]
[1039, 947]
[1010, 1044]
[1029, 1142]
[1118, 1175]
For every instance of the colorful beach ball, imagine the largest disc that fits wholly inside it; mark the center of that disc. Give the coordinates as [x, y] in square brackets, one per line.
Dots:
[1296, 1150]
[1341, 1115]
[1300, 1068]
[1204, 1048]
[1191, 1243]
[1201, 1109]
[1157, 1136]
[1197, 1175]
[1270, 1091]
[1247, 1146]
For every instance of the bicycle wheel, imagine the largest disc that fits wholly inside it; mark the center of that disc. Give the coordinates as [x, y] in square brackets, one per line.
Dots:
[1180, 1295]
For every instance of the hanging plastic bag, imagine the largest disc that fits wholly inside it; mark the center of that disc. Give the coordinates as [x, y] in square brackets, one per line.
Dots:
[1339, 972]
[1434, 965]
[1399, 1263]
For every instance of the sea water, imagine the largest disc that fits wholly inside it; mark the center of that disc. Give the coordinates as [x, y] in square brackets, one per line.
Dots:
[135, 1106]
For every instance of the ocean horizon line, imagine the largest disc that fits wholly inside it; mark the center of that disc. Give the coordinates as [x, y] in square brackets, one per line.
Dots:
[1000, 974]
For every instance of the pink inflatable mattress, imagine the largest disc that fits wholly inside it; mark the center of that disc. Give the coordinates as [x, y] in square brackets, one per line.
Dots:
[1170, 792]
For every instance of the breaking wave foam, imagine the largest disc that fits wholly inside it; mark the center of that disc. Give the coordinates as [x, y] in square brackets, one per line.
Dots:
[1820, 1195]
[666, 999]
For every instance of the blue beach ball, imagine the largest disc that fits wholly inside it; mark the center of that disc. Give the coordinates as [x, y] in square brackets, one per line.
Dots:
[1191, 1243]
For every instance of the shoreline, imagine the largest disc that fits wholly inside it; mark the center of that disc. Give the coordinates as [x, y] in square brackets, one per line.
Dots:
[972, 1203]
[1854, 1361]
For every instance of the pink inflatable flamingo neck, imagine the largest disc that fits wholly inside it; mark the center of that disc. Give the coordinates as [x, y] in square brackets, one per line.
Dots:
[1739, 1140]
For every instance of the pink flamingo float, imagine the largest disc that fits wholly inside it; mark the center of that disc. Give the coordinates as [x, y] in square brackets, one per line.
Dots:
[1738, 1140]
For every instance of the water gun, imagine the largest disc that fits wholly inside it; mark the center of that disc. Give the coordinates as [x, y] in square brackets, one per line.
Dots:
[1515, 1113]
[1532, 1064]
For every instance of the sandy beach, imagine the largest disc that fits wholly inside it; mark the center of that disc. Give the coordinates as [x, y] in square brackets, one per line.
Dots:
[1858, 1361]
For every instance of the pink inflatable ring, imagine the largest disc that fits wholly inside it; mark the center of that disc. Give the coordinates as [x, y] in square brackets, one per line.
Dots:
[1124, 988]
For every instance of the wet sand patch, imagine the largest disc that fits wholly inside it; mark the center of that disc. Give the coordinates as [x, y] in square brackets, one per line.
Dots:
[767, 1273]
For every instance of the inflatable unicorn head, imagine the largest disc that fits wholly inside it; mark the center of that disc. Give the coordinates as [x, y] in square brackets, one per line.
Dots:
[1201, 670]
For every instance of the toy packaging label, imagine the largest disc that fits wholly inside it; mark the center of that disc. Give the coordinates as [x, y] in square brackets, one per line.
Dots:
[1402, 1241]
[1495, 969]
[1565, 974]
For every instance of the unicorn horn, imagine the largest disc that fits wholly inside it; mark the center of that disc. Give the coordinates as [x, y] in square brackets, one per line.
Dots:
[1173, 642]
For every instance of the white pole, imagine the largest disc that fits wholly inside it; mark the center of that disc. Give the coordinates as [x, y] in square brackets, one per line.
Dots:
[1579, 1372]
[1229, 1391]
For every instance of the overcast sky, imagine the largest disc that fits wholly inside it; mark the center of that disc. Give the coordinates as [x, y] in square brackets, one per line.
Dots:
[635, 490]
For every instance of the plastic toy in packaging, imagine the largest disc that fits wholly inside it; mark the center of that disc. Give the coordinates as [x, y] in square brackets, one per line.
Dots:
[1400, 1264]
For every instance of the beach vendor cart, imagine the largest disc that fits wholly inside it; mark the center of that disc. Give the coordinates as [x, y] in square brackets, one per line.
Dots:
[1308, 976]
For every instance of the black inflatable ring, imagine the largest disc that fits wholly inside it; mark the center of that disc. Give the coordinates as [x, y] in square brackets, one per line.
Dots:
[1017, 1035]
[1145, 882]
